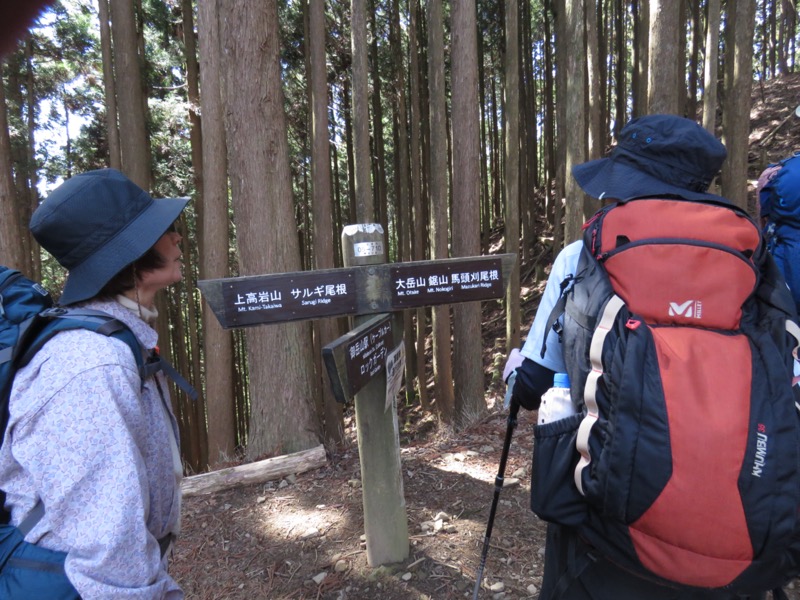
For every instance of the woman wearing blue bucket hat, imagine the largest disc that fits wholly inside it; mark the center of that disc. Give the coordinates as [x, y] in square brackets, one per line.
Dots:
[89, 441]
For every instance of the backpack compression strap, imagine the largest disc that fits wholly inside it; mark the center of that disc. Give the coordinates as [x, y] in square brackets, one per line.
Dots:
[794, 331]
[613, 306]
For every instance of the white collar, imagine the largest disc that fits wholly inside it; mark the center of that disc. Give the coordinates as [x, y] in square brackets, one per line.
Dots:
[148, 315]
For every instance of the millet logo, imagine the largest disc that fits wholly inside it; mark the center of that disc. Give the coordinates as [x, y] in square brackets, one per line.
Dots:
[692, 309]
[761, 451]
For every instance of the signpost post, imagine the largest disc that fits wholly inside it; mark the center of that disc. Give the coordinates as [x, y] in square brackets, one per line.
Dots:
[385, 519]
[365, 287]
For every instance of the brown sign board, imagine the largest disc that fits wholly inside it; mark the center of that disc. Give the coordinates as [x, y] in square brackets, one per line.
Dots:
[288, 297]
[355, 358]
[440, 282]
[359, 290]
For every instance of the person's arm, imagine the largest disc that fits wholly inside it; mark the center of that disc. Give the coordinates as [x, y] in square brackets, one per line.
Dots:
[534, 375]
[84, 450]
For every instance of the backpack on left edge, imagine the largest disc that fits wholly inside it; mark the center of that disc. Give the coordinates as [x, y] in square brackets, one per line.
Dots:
[28, 319]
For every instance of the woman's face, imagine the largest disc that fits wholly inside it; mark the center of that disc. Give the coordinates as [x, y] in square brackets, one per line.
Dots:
[168, 246]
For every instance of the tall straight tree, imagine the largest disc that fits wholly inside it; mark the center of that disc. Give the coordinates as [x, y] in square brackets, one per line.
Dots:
[193, 95]
[697, 34]
[512, 178]
[402, 178]
[112, 130]
[595, 99]
[11, 254]
[711, 66]
[134, 146]
[552, 168]
[360, 94]
[280, 364]
[321, 194]
[641, 57]
[442, 361]
[214, 232]
[379, 183]
[192, 349]
[738, 85]
[575, 130]
[417, 189]
[664, 89]
[32, 199]
[467, 364]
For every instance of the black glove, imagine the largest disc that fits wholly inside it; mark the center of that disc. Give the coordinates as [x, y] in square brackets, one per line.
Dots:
[532, 380]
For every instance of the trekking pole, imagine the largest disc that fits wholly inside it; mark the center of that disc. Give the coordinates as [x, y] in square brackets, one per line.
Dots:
[498, 486]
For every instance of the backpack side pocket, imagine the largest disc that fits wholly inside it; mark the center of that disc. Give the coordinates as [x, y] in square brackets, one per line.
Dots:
[554, 496]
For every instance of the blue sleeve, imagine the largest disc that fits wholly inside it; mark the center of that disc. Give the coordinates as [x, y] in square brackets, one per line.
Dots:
[566, 263]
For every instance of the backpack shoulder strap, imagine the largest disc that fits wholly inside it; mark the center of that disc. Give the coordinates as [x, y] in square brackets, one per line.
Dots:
[63, 319]
[558, 309]
[148, 363]
[155, 364]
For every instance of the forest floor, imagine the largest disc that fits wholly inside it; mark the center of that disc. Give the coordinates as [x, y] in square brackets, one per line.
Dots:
[302, 537]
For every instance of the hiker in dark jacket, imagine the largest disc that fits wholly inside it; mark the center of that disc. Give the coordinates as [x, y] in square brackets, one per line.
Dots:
[88, 441]
[685, 162]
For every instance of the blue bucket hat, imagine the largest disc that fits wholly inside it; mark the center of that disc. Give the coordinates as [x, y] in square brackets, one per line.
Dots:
[97, 223]
[656, 155]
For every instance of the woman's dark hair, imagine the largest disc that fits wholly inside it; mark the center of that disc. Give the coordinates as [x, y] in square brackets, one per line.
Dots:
[124, 280]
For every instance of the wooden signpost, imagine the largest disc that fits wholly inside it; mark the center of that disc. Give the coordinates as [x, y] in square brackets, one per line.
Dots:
[366, 286]
[361, 289]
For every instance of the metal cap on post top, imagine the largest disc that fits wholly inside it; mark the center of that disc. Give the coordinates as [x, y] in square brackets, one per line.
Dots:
[362, 244]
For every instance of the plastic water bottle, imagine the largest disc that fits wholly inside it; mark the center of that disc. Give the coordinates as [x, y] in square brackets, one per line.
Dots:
[556, 402]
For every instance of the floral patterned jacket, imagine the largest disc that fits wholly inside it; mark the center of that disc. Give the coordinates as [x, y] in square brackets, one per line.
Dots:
[101, 453]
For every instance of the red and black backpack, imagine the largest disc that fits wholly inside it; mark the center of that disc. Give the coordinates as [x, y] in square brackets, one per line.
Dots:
[684, 463]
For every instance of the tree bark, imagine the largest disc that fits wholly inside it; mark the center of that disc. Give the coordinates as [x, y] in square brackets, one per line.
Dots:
[710, 77]
[467, 367]
[214, 231]
[594, 96]
[417, 186]
[512, 175]
[134, 146]
[641, 49]
[32, 199]
[736, 116]
[11, 254]
[575, 130]
[442, 361]
[280, 364]
[379, 179]
[321, 197]
[365, 208]
[664, 89]
[403, 183]
[112, 130]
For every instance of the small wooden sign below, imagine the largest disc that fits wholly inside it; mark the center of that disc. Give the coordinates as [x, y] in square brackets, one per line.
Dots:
[354, 359]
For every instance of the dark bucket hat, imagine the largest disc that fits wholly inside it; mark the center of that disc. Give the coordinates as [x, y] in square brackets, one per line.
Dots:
[97, 223]
[656, 155]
